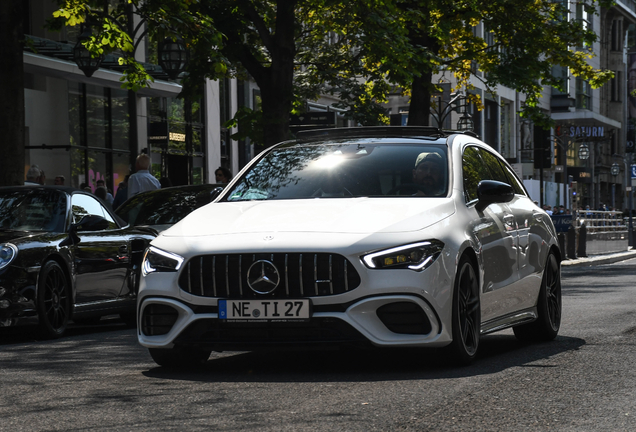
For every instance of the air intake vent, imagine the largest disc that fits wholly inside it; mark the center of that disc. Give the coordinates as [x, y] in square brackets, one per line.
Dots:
[158, 319]
[299, 274]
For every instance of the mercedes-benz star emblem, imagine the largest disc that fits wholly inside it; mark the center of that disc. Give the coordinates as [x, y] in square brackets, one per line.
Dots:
[263, 277]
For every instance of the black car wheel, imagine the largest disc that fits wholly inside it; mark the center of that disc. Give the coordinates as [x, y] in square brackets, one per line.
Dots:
[180, 357]
[546, 326]
[466, 314]
[53, 300]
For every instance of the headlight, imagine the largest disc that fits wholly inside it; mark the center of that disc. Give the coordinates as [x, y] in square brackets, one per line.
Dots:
[157, 260]
[416, 256]
[8, 252]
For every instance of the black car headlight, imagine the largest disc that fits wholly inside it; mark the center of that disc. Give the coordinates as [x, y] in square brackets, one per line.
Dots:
[415, 256]
[8, 252]
[157, 260]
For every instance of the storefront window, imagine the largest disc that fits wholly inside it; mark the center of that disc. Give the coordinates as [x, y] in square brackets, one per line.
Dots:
[120, 119]
[96, 117]
[181, 122]
[78, 173]
[99, 135]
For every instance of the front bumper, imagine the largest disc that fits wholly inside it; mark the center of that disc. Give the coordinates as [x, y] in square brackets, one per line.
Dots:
[165, 322]
[17, 295]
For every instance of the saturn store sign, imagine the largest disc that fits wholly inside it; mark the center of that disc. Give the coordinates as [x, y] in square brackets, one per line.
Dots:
[581, 131]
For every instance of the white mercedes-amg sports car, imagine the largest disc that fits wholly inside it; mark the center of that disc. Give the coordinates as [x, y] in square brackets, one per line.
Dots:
[380, 237]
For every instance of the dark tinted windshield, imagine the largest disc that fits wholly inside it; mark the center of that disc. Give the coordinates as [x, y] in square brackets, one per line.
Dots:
[165, 206]
[32, 210]
[346, 170]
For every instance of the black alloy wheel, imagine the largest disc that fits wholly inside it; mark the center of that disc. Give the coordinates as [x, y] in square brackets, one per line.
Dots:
[466, 314]
[548, 322]
[53, 301]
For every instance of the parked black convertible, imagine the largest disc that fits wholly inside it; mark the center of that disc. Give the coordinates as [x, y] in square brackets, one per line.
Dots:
[64, 256]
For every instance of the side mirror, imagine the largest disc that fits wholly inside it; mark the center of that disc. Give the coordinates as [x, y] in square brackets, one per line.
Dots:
[491, 191]
[90, 223]
[87, 223]
[215, 193]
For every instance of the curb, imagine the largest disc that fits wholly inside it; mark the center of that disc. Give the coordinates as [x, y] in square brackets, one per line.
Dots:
[600, 259]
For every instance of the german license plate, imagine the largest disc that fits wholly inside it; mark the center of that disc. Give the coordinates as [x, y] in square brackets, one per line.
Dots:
[264, 310]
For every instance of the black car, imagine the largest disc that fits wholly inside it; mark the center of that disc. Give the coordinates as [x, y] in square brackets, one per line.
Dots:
[161, 208]
[65, 256]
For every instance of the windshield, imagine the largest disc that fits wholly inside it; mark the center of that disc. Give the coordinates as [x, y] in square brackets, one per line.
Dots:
[32, 210]
[348, 170]
[164, 207]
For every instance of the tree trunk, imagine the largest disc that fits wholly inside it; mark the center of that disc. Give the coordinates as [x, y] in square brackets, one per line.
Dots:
[420, 107]
[12, 91]
[277, 91]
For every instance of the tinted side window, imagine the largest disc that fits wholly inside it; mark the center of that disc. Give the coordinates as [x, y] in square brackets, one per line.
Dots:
[86, 205]
[492, 162]
[474, 170]
[514, 181]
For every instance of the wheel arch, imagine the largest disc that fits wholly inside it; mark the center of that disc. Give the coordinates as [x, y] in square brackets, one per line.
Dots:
[472, 256]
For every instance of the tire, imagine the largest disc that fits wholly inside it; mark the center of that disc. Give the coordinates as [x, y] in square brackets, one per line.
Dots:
[466, 322]
[546, 326]
[180, 357]
[53, 301]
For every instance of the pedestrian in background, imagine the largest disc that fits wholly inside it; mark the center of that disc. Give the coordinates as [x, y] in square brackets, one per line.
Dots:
[109, 197]
[101, 193]
[59, 180]
[122, 193]
[142, 180]
[223, 175]
[35, 176]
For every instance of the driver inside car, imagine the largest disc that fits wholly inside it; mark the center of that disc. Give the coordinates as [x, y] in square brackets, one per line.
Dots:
[428, 174]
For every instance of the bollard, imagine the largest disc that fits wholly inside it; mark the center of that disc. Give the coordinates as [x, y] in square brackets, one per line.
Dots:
[571, 242]
[561, 237]
[582, 241]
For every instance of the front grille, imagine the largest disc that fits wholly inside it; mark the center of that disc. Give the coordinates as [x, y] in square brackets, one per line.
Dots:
[301, 275]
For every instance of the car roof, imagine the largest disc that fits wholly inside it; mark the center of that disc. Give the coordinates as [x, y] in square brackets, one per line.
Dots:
[378, 132]
[67, 189]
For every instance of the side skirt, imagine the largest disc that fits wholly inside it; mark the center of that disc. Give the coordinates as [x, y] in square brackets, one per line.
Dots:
[511, 320]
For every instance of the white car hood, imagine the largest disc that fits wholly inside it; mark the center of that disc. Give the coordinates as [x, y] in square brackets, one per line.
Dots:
[340, 215]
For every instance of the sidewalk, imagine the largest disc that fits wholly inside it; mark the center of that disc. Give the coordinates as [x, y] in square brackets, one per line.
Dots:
[600, 259]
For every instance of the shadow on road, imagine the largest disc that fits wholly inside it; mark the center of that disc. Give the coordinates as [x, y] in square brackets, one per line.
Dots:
[497, 353]
[30, 333]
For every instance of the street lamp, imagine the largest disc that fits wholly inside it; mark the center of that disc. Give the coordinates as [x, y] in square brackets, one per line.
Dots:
[83, 57]
[173, 56]
[172, 52]
[457, 103]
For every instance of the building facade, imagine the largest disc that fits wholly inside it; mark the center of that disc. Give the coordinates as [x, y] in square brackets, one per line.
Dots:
[582, 161]
[89, 128]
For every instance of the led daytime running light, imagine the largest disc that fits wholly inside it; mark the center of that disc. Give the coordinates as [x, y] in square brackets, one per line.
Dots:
[147, 266]
[392, 258]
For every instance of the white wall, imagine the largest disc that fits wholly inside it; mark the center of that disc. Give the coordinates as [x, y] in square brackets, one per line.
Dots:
[552, 192]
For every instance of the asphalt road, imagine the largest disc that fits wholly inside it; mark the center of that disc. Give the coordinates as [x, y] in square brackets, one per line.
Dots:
[99, 378]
